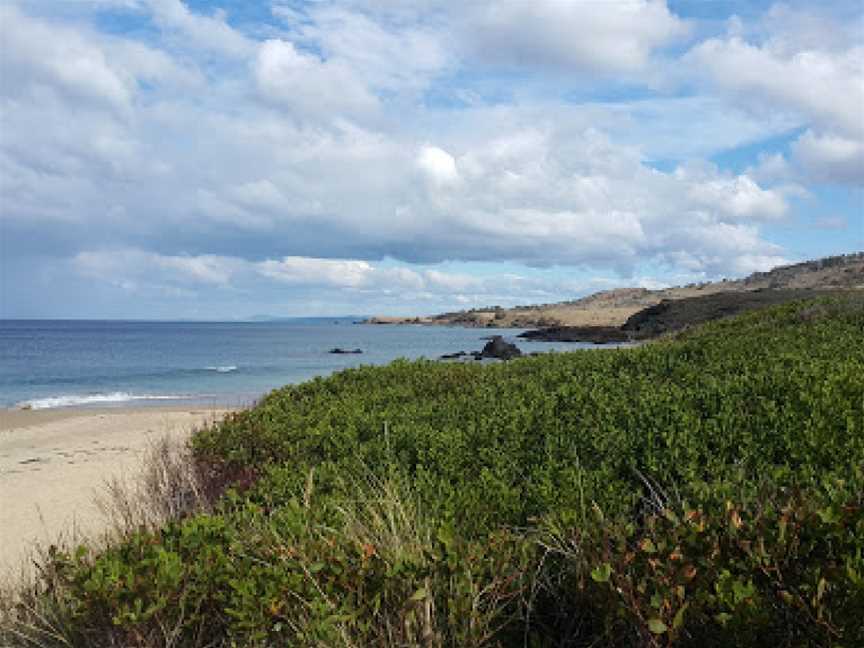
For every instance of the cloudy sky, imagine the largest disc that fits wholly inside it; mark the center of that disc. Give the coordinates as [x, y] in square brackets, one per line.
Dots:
[223, 158]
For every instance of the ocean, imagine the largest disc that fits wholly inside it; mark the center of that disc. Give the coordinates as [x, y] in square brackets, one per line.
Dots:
[66, 363]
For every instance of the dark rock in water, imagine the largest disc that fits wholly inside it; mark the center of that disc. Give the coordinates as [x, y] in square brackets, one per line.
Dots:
[592, 334]
[341, 351]
[453, 356]
[498, 348]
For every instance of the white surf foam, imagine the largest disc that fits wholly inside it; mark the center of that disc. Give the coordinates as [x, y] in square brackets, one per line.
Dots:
[70, 400]
[223, 369]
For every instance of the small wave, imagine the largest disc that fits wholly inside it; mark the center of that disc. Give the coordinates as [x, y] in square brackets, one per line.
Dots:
[70, 400]
[222, 369]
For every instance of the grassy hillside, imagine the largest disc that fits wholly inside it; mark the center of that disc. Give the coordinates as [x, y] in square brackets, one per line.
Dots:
[705, 490]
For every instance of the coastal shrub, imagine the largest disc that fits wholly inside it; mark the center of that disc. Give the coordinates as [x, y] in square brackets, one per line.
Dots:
[768, 393]
[703, 490]
[372, 572]
[779, 570]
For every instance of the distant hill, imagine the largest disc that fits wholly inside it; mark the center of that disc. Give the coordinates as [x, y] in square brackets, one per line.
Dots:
[338, 319]
[614, 307]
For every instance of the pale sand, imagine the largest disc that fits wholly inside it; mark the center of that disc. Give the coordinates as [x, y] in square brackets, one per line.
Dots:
[53, 463]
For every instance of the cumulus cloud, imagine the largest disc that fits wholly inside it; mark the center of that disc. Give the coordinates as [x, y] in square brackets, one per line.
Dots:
[823, 87]
[339, 273]
[831, 158]
[130, 267]
[64, 59]
[738, 197]
[135, 270]
[438, 165]
[388, 56]
[808, 66]
[543, 196]
[573, 36]
[307, 84]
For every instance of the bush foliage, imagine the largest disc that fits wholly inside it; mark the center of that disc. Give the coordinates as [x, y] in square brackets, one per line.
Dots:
[703, 490]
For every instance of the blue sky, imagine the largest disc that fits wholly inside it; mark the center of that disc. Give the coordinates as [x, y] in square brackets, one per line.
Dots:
[217, 159]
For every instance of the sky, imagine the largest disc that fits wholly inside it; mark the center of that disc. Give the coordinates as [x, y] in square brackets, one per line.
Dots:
[169, 159]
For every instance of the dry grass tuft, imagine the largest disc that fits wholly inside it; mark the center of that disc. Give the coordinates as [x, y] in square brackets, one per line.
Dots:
[167, 487]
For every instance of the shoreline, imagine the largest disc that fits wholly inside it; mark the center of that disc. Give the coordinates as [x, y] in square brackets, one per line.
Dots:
[55, 462]
[20, 418]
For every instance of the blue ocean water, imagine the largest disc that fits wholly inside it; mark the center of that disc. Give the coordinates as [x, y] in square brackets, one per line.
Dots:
[61, 363]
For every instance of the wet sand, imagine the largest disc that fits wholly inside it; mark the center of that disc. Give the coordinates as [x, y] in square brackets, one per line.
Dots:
[54, 462]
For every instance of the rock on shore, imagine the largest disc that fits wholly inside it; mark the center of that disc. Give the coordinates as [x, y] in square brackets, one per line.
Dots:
[593, 334]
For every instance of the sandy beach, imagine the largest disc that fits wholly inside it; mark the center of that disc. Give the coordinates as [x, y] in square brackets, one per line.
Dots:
[54, 462]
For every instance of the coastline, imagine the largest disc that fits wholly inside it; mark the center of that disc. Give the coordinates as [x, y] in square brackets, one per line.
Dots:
[54, 462]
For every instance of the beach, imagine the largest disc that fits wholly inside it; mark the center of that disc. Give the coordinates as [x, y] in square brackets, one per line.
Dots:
[54, 463]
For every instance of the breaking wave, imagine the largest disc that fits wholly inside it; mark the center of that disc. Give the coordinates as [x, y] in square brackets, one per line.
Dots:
[223, 369]
[71, 400]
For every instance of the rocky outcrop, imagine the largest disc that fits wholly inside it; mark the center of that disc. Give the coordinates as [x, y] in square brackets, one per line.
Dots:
[498, 348]
[340, 351]
[589, 334]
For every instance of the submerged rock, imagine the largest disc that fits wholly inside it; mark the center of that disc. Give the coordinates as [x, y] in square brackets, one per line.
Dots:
[341, 351]
[453, 356]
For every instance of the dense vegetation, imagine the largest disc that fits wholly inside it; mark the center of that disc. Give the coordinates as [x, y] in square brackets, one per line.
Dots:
[704, 490]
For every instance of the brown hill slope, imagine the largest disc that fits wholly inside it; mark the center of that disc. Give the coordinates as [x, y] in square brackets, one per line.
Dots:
[614, 307]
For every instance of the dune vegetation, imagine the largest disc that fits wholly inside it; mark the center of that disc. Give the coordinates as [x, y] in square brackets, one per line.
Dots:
[702, 490]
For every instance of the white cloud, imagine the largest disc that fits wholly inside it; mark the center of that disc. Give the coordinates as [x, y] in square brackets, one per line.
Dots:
[831, 158]
[385, 56]
[260, 194]
[803, 65]
[63, 58]
[438, 165]
[738, 197]
[447, 282]
[823, 87]
[348, 274]
[307, 85]
[207, 32]
[304, 270]
[132, 267]
[610, 35]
